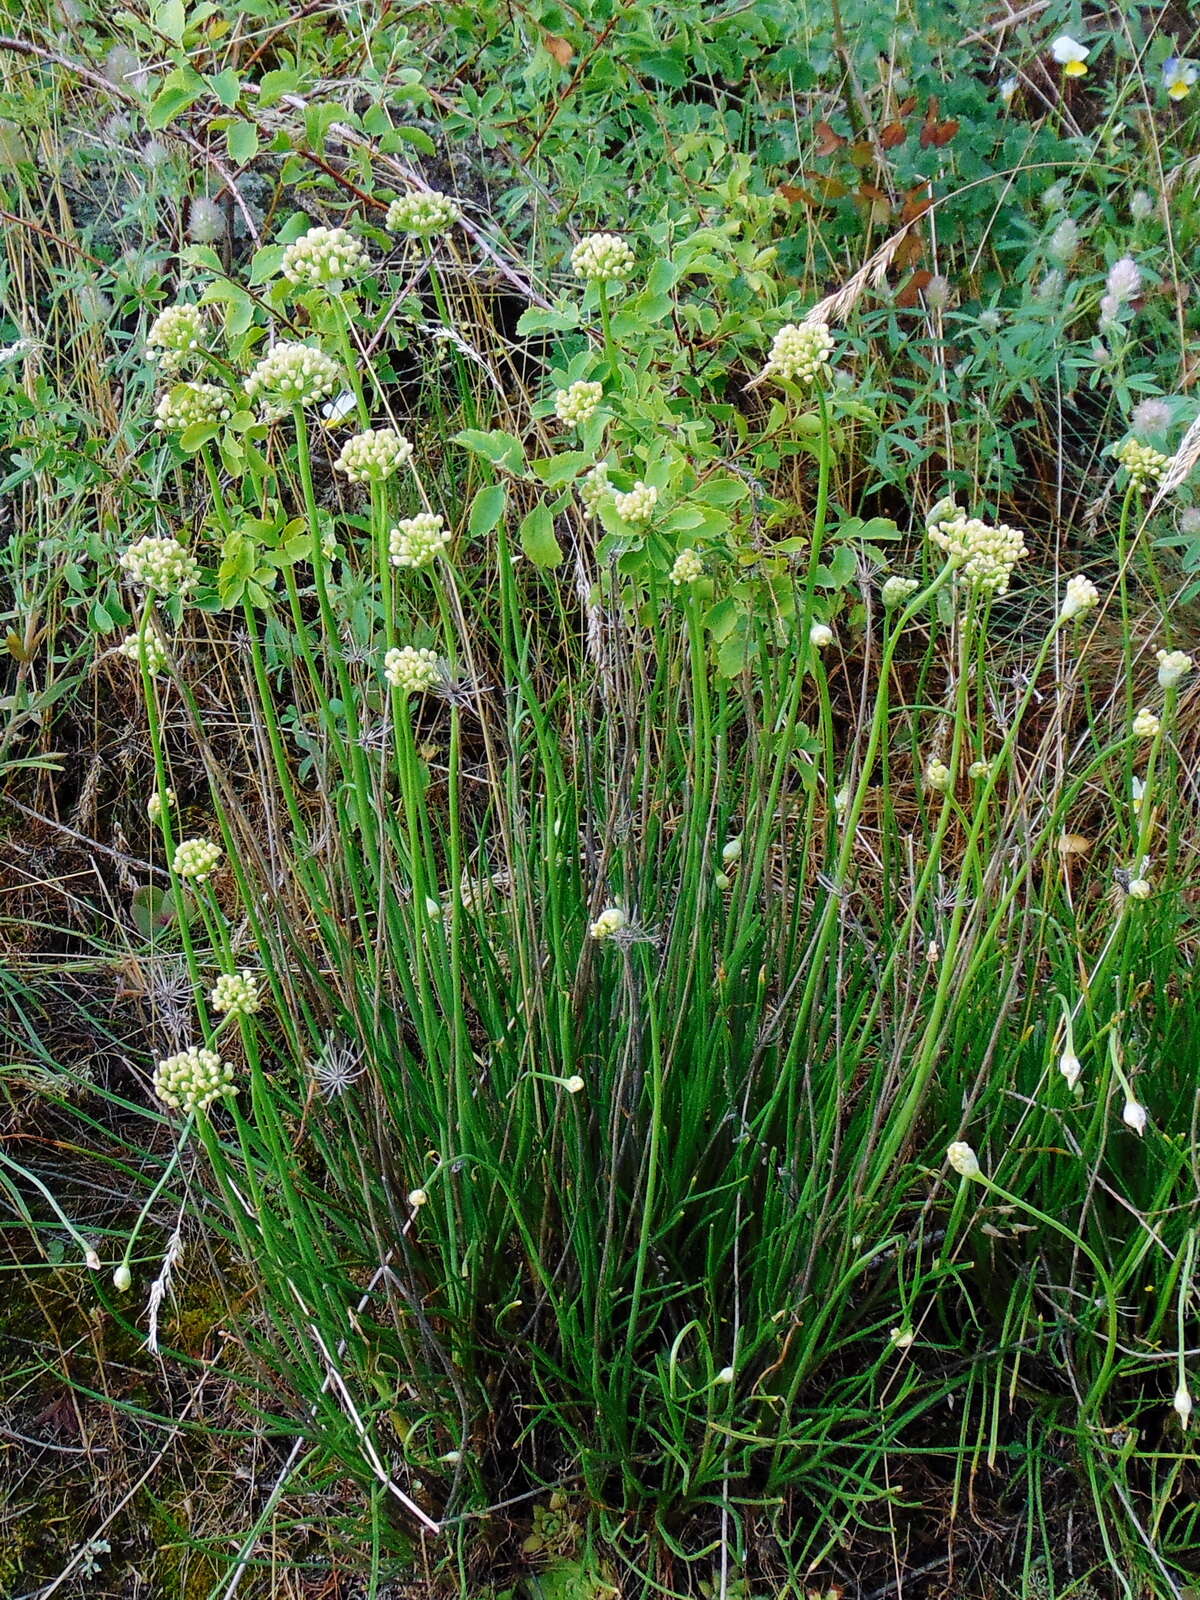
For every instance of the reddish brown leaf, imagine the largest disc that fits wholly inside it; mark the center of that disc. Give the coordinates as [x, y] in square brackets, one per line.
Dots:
[937, 133]
[895, 133]
[909, 251]
[907, 107]
[916, 204]
[910, 294]
[560, 49]
[827, 140]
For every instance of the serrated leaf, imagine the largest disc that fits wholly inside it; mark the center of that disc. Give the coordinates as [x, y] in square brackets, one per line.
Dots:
[226, 85]
[266, 263]
[537, 537]
[170, 19]
[486, 510]
[501, 449]
[274, 85]
[538, 319]
[172, 100]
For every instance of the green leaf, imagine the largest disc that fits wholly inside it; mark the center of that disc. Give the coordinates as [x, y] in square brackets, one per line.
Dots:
[154, 909]
[501, 449]
[537, 537]
[226, 86]
[837, 573]
[416, 137]
[180, 89]
[486, 510]
[266, 263]
[242, 139]
[560, 469]
[664, 66]
[198, 434]
[538, 320]
[170, 18]
[274, 85]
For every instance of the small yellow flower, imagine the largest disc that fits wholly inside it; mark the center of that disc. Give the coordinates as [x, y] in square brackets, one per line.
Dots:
[1179, 76]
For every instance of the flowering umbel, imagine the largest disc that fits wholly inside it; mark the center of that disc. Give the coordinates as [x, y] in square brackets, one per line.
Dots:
[236, 994]
[373, 456]
[146, 649]
[983, 555]
[162, 566]
[1080, 596]
[1144, 464]
[324, 258]
[292, 374]
[423, 215]
[638, 505]
[800, 352]
[688, 568]
[410, 670]
[602, 257]
[176, 333]
[190, 403]
[418, 541]
[196, 859]
[578, 403]
[193, 1079]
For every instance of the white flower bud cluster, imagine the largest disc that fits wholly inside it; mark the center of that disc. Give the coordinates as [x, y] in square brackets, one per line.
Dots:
[196, 859]
[154, 806]
[236, 994]
[688, 568]
[193, 1079]
[979, 770]
[820, 635]
[895, 591]
[593, 487]
[578, 404]
[149, 650]
[984, 555]
[324, 258]
[411, 671]
[937, 775]
[601, 257]
[188, 403]
[610, 921]
[1080, 596]
[638, 505]
[161, 565]
[1172, 666]
[1144, 464]
[800, 352]
[424, 215]
[174, 334]
[1146, 724]
[292, 374]
[963, 1159]
[373, 456]
[418, 541]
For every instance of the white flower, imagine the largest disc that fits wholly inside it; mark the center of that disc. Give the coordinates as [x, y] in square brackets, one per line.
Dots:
[902, 1338]
[963, 1159]
[418, 541]
[1146, 724]
[324, 258]
[1070, 1067]
[122, 1279]
[989, 321]
[411, 671]
[1134, 1116]
[154, 805]
[193, 1079]
[236, 994]
[895, 591]
[1064, 242]
[731, 851]
[638, 505]
[984, 555]
[1172, 666]
[1189, 521]
[206, 221]
[175, 333]
[1144, 464]
[292, 374]
[373, 456]
[937, 292]
[573, 1085]
[417, 1197]
[423, 215]
[1052, 286]
[196, 858]
[800, 352]
[190, 403]
[937, 775]
[149, 650]
[1182, 1403]
[688, 568]
[593, 487]
[602, 257]
[1070, 55]
[335, 412]
[1124, 280]
[162, 566]
[610, 921]
[1081, 595]
[1178, 76]
[820, 635]
[1139, 889]
[1142, 205]
[579, 403]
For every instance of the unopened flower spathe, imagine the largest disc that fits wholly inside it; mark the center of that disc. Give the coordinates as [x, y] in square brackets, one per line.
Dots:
[1080, 596]
[1172, 666]
[610, 921]
[963, 1159]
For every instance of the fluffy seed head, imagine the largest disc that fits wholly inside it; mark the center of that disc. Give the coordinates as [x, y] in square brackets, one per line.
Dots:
[206, 221]
[602, 257]
[373, 456]
[1151, 416]
[418, 541]
[193, 1079]
[1064, 242]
